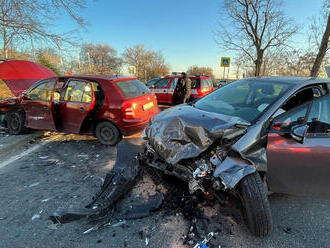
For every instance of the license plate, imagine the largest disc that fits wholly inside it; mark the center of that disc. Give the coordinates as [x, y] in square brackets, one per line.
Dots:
[148, 105]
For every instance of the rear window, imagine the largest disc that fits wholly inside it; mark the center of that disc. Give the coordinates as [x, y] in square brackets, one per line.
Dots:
[201, 83]
[206, 83]
[132, 88]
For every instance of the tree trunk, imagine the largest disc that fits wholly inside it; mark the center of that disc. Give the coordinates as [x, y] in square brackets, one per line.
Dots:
[322, 50]
[5, 42]
[258, 63]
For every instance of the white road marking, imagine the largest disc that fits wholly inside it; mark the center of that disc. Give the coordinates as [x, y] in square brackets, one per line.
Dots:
[28, 151]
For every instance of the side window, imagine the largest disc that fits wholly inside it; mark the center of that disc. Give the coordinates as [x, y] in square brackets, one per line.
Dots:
[78, 91]
[301, 97]
[42, 92]
[162, 83]
[57, 92]
[195, 83]
[286, 121]
[152, 82]
[174, 83]
[319, 118]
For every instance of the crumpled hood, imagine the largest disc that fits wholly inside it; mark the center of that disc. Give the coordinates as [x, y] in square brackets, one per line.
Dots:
[184, 131]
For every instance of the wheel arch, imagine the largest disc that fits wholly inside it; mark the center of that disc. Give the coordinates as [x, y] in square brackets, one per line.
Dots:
[104, 120]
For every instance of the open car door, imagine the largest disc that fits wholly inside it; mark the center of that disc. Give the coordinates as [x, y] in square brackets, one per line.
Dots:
[160, 89]
[77, 101]
[298, 150]
[37, 103]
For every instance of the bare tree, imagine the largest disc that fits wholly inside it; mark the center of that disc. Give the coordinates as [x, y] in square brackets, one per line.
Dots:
[255, 27]
[147, 63]
[315, 37]
[28, 22]
[49, 58]
[100, 59]
[198, 70]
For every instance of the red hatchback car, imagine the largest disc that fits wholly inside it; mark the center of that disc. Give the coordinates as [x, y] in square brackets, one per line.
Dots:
[165, 87]
[107, 107]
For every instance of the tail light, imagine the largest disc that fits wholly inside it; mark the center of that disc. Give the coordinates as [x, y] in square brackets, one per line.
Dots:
[128, 110]
[203, 91]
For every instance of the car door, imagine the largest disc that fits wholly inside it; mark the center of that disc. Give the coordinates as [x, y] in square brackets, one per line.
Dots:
[301, 168]
[77, 102]
[160, 89]
[170, 91]
[37, 103]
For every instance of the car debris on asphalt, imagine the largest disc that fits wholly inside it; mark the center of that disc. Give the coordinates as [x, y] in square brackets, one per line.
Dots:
[34, 184]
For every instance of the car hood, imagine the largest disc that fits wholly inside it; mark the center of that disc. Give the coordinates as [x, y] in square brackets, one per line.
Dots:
[184, 132]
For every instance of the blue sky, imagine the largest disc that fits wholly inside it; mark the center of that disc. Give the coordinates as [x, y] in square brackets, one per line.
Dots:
[183, 30]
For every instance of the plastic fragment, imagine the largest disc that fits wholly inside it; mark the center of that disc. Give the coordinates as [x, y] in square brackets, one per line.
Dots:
[203, 243]
[47, 199]
[82, 156]
[120, 223]
[34, 184]
[36, 216]
[90, 229]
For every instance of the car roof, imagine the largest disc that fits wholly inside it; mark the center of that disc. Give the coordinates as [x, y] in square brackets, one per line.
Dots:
[298, 81]
[103, 77]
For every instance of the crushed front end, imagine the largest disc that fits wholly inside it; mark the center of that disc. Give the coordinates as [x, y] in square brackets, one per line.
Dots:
[197, 147]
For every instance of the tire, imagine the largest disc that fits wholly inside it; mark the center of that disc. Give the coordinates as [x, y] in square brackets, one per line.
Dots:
[16, 122]
[256, 207]
[107, 133]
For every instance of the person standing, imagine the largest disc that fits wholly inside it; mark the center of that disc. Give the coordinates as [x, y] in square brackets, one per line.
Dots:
[186, 82]
[183, 90]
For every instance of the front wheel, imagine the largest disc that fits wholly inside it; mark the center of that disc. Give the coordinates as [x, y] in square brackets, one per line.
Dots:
[107, 133]
[16, 122]
[255, 203]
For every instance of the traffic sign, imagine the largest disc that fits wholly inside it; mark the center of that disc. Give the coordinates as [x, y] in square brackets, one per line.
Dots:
[225, 62]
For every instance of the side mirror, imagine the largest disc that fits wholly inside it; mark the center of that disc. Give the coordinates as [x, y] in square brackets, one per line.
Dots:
[26, 97]
[298, 133]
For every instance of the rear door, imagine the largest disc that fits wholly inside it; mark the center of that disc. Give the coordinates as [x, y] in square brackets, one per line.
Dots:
[38, 106]
[161, 89]
[171, 90]
[296, 168]
[77, 102]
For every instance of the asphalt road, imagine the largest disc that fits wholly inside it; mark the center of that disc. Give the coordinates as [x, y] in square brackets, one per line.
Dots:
[68, 170]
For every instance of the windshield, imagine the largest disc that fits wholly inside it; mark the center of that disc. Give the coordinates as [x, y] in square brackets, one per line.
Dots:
[244, 99]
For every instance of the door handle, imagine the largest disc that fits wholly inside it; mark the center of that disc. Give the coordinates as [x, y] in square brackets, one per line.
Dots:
[45, 108]
[82, 110]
